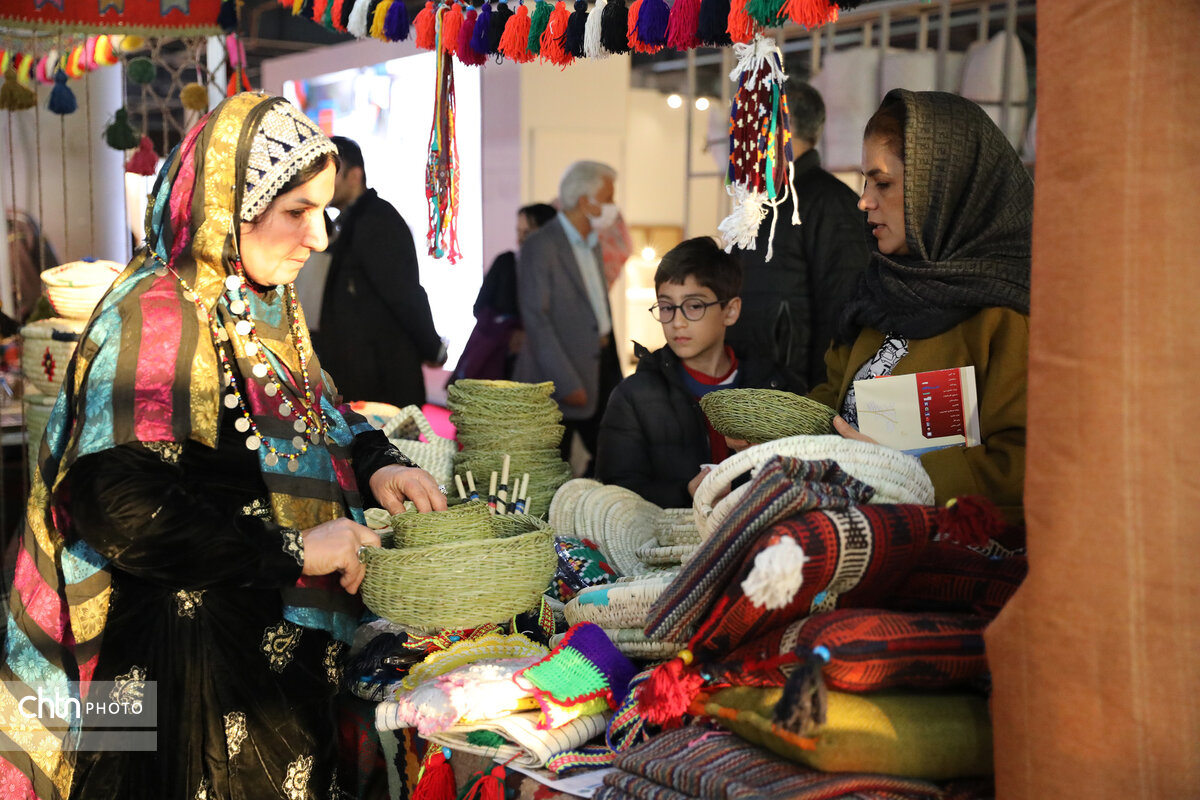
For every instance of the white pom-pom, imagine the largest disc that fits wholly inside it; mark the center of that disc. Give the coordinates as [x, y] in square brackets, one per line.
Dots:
[777, 575]
[740, 228]
[591, 33]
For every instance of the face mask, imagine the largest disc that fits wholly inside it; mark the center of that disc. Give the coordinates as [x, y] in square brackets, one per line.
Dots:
[606, 217]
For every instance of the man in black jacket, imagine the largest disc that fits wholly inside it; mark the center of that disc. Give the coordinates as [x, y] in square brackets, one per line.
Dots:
[376, 328]
[654, 438]
[790, 304]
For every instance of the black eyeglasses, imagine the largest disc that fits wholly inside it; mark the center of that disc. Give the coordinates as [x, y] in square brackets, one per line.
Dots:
[693, 310]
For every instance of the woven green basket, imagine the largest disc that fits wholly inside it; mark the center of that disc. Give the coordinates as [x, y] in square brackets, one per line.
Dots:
[485, 412]
[460, 523]
[763, 415]
[506, 525]
[506, 438]
[474, 387]
[461, 584]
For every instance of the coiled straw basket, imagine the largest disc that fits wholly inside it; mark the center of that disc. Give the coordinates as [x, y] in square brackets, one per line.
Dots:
[461, 584]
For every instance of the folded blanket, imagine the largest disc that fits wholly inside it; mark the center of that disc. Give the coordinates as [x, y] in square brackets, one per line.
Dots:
[528, 745]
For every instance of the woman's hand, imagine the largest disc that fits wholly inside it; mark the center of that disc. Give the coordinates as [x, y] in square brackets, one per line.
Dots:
[333, 547]
[736, 445]
[848, 431]
[695, 482]
[394, 484]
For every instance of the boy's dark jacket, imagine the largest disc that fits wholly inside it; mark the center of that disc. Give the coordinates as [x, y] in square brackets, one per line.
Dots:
[653, 438]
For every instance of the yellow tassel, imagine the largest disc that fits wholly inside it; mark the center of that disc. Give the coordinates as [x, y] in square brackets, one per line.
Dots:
[14, 96]
[378, 19]
[194, 97]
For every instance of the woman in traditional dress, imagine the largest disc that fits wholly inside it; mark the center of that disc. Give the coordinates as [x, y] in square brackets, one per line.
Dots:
[950, 207]
[195, 519]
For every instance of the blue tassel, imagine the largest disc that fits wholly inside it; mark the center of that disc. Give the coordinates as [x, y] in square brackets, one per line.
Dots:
[227, 17]
[62, 99]
[479, 36]
[652, 22]
[395, 24]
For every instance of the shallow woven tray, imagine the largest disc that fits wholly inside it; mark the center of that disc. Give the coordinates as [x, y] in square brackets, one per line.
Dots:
[562, 507]
[463, 522]
[461, 584]
[623, 604]
[632, 643]
[762, 415]
[654, 554]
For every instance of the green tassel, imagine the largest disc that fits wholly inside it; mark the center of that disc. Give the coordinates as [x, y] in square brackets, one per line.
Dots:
[766, 12]
[119, 134]
[537, 24]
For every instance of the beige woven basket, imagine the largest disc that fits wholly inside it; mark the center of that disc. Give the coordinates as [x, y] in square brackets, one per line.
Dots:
[435, 455]
[623, 604]
[46, 347]
[460, 584]
[895, 476]
[75, 288]
[37, 409]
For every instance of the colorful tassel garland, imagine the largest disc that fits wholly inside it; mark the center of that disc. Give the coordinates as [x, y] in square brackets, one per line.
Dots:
[768, 13]
[614, 30]
[236, 55]
[466, 51]
[633, 39]
[46, 65]
[395, 24]
[14, 96]
[360, 21]
[106, 54]
[667, 693]
[119, 134]
[592, 46]
[437, 776]
[576, 30]
[712, 28]
[514, 44]
[424, 27]
[452, 20]
[810, 13]
[681, 27]
[144, 159]
[341, 14]
[194, 97]
[496, 27]
[75, 62]
[479, 33]
[378, 15]
[62, 99]
[741, 25]
[555, 36]
[652, 20]
[537, 25]
[319, 9]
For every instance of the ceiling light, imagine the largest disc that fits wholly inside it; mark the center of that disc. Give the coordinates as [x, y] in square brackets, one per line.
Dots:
[648, 253]
[674, 101]
[702, 104]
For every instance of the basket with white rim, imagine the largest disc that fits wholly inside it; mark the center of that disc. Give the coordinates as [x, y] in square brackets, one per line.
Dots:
[75, 288]
[895, 476]
[46, 347]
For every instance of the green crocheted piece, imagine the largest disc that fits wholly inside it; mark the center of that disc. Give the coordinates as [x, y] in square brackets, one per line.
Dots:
[486, 739]
[567, 677]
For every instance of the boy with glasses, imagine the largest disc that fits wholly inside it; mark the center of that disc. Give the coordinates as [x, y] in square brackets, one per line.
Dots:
[654, 437]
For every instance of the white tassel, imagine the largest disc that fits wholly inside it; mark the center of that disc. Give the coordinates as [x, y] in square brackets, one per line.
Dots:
[357, 24]
[777, 575]
[750, 57]
[591, 33]
[740, 228]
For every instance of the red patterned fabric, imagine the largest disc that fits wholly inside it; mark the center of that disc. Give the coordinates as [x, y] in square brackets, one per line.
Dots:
[953, 578]
[157, 17]
[855, 558]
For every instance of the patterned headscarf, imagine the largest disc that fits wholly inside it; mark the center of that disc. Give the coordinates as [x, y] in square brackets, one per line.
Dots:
[968, 217]
[152, 366]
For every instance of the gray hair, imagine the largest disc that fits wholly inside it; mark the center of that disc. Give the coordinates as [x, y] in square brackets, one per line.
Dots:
[807, 112]
[583, 178]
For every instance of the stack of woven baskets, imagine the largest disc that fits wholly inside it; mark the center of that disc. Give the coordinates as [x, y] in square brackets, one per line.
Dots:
[459, 568]
[47, 345]
[499, 418]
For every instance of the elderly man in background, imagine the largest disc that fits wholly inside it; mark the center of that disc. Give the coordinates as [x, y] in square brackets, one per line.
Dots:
[563, 299]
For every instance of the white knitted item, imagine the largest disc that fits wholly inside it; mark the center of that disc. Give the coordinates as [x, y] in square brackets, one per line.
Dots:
[777, 575]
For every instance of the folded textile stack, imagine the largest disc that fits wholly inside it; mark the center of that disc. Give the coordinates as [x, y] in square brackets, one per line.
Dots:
[496, 420]
[458, 568]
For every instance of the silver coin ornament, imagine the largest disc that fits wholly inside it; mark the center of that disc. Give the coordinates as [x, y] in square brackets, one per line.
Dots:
[231, 401]
[285, 409]
[237, 307]
[293, 465]
[271, 390]
[242, 327]
[299, 426]
[242, 424]
[253, 442]
[271, 459]
[259, 370]
[232, 282]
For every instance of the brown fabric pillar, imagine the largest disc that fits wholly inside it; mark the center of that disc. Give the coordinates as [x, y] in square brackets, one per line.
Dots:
[1096, 661]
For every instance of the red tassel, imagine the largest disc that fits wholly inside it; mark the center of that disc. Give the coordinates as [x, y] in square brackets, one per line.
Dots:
[810, 13]
[970, 520]
[486, 786]
[452, 22]
[682, 25]
[144, 159]
[437, 777]
[425, 27]
[667, 693]
[514, 44]
[741, 24]
[336, 15]
[554, 36]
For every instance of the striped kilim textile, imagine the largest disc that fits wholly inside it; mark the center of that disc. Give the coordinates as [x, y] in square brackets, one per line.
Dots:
[952, 577]
[782, 488]
[854, 557]
[698, 762]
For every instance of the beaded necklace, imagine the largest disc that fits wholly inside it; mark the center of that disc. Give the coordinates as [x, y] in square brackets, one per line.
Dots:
[310, 424]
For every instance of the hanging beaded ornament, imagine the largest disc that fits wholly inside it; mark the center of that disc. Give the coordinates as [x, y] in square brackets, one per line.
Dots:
[310, 424]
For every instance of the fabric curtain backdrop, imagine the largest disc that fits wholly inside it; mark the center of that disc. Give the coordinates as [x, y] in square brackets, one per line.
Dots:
[1096, 660]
